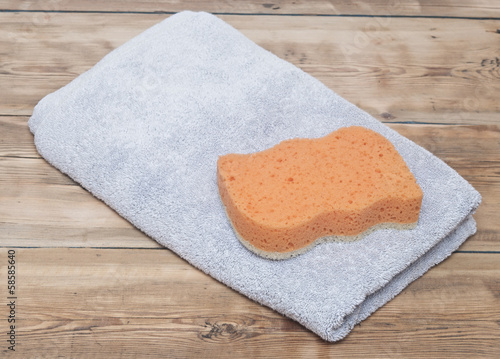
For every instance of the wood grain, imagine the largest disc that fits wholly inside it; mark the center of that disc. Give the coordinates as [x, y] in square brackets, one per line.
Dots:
[461, 8]
[398, 70]
[466, 148]
[90, 303]
[44, 208]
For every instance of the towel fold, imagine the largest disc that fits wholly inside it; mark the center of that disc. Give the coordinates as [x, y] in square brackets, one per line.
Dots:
[142, 131]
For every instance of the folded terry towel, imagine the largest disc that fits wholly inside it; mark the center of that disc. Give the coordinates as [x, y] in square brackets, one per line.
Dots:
[142, 131]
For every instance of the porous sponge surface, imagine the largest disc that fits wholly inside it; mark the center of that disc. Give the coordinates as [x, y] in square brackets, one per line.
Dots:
[286, 197]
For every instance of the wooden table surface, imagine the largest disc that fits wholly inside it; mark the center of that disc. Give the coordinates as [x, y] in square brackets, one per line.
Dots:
[89, 285]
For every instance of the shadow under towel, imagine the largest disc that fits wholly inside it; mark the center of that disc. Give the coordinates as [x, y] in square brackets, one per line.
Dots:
[142, 131]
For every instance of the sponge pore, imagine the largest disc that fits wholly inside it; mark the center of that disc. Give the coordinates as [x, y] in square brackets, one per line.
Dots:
[301, 192]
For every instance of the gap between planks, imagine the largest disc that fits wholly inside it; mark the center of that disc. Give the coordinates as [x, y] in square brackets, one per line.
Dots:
[165, 248]
[438, 8]
[161, 12]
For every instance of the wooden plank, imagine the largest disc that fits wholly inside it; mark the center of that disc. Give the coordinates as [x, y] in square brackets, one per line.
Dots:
[471, 150]
[397, 69]
[16, 139]
[90, 303]
[467, 148]
[464, 8]
[41, 207]
[62, 216]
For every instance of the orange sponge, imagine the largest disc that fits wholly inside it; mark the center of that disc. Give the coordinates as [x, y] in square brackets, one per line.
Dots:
[301, 192]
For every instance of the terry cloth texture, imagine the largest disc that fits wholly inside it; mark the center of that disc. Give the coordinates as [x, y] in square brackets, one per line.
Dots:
[142, 131]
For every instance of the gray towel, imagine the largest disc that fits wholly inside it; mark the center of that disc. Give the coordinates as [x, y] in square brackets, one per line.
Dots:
[142, 131]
